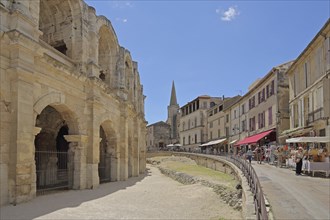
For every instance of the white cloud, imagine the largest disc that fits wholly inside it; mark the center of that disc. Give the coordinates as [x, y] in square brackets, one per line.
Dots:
[124, 20]
[122, 4]
[229, 14]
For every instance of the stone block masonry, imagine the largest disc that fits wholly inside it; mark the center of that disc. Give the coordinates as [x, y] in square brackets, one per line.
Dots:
[71, 100]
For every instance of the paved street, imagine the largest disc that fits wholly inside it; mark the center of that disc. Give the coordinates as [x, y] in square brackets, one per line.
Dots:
[294, 197]
[153, 196]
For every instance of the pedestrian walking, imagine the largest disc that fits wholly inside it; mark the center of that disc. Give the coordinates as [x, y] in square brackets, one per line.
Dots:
[258, 153]
[249, 154]
[267, 154]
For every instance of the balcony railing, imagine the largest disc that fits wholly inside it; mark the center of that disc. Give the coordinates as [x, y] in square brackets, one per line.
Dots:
[315, 115]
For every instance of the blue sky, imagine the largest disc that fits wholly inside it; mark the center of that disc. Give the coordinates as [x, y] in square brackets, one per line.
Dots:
[209, 47]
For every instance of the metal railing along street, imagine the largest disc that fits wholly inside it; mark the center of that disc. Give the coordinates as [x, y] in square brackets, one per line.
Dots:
[253, 181]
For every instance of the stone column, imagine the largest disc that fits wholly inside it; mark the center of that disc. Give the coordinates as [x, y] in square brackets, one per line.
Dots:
[21, 161]
[123, 144]
[136, 148]
[93, 68]
[142, 147]
[77, 160]
[115, 166]
[93, 159]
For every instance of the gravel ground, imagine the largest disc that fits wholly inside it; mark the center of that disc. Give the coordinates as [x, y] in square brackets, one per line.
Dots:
[153, 196]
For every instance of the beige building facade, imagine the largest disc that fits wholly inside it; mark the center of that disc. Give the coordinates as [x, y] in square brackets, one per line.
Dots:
[193, 122]
[72, 105]
[263, 111]
[219, 125]
[309, 78]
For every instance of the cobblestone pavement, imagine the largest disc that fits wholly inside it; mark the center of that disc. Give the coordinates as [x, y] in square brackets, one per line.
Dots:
[294, 197]
[153, 196]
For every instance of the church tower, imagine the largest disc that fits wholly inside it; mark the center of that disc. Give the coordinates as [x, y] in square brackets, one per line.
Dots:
[173, 116]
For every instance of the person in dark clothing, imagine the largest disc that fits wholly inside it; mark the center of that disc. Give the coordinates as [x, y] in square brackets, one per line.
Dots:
[299, 159]
[258, 154]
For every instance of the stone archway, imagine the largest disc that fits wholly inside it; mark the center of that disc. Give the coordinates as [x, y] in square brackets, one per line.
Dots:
[51, 151]
[129, 79]
[107, 51]
[60, 23]
[108, 155]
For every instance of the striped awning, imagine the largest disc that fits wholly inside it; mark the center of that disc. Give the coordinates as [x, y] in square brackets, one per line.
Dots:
[219, 141]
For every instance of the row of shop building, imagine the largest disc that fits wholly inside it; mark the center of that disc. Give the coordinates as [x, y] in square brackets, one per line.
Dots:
[291, 100]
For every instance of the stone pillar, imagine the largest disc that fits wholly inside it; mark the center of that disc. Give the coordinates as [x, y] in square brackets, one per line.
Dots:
[24, 16]
[93, 68]
[93, 159]
[136, 149]
[123, 144]
[22, 174]
[77, 160]
[21, 163]
[115, 166]
[142, 147]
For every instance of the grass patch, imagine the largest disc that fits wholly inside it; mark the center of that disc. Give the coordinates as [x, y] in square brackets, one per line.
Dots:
[191, 168]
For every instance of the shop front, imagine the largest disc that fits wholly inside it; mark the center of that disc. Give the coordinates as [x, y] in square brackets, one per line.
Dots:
[214, 147]
[260, 139]
[316, 154]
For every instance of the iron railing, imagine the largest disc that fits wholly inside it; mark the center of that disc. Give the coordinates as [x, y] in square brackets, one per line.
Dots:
[315, 115]
[51, 171]
[104, 166]
[253, 181]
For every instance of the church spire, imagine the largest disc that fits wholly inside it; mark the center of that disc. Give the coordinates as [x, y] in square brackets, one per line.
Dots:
[173, 95]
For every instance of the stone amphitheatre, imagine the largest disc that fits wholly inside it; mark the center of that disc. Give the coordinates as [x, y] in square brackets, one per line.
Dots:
[72, 104]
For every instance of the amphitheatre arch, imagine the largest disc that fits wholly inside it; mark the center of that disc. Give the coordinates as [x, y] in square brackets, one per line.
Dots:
[108, 156]
[129, 79]
[107, 55]
[53, 157]
[60, 22]
[57, 109]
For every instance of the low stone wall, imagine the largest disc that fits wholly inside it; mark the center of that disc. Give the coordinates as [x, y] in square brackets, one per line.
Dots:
[222, 165]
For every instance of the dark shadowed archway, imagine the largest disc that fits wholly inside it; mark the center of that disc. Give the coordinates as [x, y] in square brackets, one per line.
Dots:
[53, 162]
[108, 160]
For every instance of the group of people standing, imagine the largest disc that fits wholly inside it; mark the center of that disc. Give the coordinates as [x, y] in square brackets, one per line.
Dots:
[260, 154]
[267, 154]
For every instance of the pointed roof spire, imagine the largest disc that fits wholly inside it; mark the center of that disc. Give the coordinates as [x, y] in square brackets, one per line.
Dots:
[173, 95]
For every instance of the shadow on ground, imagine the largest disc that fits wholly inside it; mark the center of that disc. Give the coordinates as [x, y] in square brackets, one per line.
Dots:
[49, 203]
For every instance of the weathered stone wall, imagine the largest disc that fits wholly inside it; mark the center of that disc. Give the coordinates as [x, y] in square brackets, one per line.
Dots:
[59, 54]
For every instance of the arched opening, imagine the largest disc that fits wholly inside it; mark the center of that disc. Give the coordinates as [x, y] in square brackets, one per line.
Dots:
[62, 147]
[56, 24]
[129, 78]
[106, 55]
[51, 152]
[105, 159]
[107, 167]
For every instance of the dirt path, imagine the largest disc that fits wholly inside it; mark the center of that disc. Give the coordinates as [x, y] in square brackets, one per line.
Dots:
[153, 197]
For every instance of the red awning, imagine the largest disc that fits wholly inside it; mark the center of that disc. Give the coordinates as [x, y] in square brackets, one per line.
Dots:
[254, 138]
